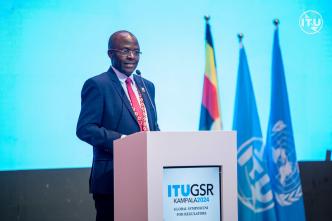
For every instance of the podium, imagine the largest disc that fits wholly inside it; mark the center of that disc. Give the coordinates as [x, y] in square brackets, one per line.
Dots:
[176, 176]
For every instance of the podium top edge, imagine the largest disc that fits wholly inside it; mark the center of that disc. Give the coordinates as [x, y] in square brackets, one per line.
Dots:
[146, 133]
[184, 132]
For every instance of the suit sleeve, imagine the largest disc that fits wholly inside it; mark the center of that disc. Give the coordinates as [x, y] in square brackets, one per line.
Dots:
[89, 128]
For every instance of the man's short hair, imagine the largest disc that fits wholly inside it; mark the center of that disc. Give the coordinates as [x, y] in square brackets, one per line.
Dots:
[112, 37]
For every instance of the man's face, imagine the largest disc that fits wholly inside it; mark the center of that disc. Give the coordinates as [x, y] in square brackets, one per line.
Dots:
[124, 54]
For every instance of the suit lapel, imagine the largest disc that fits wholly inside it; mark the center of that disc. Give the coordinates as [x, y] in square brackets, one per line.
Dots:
[147, 102]
[119, 89]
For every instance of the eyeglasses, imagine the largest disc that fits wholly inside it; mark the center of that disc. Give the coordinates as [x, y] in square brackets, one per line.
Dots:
[127, 52]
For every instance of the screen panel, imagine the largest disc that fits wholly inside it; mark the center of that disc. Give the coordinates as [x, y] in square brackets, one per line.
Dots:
[192, 193]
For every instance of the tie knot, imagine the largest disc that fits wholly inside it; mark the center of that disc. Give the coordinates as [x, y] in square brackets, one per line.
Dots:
[128, 81]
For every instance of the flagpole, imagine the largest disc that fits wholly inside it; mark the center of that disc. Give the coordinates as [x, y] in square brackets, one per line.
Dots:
[240, 37]
[276, 22]
[207, 18]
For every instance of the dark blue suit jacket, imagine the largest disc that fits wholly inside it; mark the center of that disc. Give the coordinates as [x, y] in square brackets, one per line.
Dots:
[106, 114]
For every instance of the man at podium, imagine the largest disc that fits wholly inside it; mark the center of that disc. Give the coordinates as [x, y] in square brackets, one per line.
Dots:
[114, 104]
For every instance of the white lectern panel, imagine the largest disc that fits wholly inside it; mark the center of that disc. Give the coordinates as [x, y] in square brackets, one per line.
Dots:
[139, 162]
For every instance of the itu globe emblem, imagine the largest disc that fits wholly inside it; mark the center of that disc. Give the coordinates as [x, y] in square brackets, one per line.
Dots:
[311, 22]
[254, 190]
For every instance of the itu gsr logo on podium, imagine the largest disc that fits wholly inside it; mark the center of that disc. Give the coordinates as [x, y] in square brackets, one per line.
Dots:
[192, 193]
[186, 193]
[311, 22]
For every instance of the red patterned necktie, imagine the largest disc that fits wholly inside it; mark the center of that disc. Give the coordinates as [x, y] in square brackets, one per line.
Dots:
[137, 108]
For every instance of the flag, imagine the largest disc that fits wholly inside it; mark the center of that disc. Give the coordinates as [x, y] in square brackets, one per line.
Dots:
[255, 197]
[210, 118]
[280, 146]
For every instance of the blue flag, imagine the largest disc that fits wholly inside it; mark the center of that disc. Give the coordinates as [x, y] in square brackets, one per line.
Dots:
[280, 146]
[255, 197]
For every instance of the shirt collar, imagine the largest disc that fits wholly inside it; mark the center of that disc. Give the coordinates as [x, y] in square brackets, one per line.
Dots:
[122, 77]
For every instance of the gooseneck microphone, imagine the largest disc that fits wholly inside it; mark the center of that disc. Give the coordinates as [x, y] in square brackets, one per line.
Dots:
[138, 72]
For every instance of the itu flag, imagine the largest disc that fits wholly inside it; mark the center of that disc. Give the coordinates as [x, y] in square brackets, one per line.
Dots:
[210, 118]
[280, 146]
[255, 197]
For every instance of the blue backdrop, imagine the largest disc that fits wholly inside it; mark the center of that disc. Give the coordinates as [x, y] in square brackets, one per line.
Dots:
[49, 48]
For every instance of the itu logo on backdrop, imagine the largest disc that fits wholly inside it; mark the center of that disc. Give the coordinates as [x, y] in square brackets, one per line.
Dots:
[311, 22]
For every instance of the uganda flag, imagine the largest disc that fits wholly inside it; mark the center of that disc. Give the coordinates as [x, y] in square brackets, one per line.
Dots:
[210, 118]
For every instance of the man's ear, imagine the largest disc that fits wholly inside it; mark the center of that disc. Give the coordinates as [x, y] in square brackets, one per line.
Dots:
[110, 54]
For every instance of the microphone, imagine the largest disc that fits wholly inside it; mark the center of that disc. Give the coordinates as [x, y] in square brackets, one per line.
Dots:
[138, 72]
